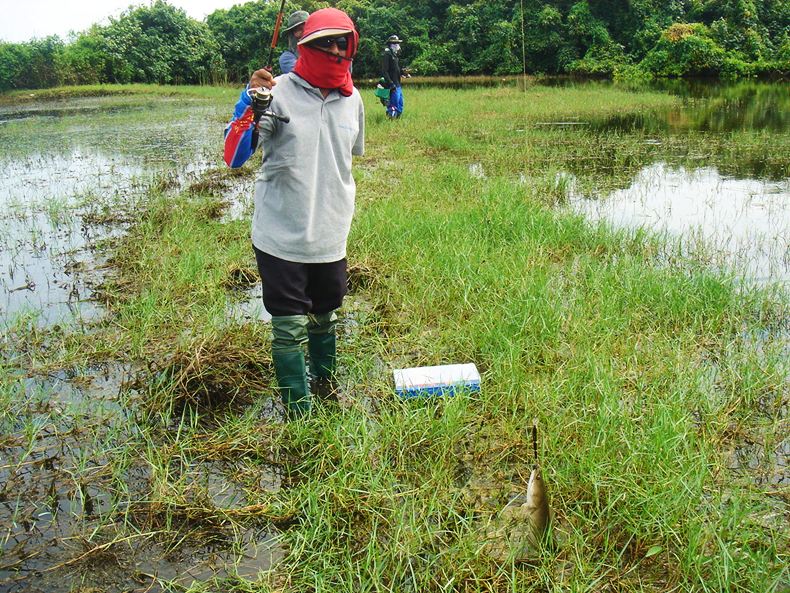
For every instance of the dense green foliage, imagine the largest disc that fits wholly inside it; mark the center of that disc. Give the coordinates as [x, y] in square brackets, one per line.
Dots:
[157, 43]
[161, 44]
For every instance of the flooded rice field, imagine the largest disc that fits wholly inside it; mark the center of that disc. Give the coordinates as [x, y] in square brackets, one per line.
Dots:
[72, 174]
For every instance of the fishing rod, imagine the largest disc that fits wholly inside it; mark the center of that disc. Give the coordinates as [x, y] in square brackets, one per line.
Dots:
[261, 96]
[275, 35]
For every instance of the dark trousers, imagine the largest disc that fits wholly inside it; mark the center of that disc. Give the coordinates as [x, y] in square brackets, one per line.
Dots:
[293, 288]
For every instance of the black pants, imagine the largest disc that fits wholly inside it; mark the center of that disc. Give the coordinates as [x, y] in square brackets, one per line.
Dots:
[293, 288]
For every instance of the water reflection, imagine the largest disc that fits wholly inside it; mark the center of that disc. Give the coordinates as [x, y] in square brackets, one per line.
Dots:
[247, 305]
[46, 270]
[68, 491]
[37, 179]
[740, 224]
[46, 261]
[742, 107]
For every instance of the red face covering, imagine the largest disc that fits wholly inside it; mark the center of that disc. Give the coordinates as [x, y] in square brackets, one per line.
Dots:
[320, 68]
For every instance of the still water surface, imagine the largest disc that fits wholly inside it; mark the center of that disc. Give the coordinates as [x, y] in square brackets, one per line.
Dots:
[730, 210]
[742, 225]
[68, 162]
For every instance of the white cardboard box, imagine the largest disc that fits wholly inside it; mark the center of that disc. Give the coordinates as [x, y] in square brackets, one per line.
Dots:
[445, 379]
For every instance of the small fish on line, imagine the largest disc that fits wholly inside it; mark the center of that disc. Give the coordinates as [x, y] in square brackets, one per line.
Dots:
[536, 507]
[520, 531]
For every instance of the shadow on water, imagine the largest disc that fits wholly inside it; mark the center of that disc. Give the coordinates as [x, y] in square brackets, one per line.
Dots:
[248, 306]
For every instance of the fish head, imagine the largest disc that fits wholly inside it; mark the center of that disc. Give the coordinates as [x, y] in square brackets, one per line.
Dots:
[536, 489]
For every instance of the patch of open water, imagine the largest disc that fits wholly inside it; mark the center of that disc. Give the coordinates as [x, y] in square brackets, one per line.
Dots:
[742, 225]
[734, 215]
[249, 306]
[66, 188]
[48, 268]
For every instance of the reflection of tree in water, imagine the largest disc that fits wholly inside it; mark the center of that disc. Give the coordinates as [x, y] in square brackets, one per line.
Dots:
[741, 129]
[749, 106]
[714, 107]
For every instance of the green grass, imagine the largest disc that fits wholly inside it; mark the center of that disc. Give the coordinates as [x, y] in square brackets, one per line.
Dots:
[637, 372]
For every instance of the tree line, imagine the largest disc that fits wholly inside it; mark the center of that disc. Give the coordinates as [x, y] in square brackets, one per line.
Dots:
[159, 43]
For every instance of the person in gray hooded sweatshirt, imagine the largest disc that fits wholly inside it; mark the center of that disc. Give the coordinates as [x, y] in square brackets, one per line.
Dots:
[293, 33]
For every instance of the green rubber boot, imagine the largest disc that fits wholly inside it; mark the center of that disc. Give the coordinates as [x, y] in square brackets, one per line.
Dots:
[322, 344]
[289, 333]
[322, 347]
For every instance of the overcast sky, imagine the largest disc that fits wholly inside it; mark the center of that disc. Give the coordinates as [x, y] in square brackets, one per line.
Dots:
[21, 20]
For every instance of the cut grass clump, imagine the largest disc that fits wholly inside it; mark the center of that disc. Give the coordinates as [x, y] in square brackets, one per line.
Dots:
[225, 370]
[217, 181]
[241, 277]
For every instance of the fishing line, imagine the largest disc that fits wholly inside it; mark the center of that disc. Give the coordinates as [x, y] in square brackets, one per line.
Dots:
[535, 440]
[523, 48]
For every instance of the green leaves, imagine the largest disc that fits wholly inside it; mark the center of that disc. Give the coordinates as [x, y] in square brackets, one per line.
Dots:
[161, 44]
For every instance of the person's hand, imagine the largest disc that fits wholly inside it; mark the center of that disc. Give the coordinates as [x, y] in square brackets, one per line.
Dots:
[262, 78]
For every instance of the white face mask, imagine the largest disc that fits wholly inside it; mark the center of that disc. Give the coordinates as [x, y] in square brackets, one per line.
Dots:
[395, 47]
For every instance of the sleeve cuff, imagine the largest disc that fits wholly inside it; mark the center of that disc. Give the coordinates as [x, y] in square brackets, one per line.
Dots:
[245, 98]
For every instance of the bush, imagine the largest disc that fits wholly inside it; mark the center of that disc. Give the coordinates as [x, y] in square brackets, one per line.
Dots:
[734, 68]
[600, 61]
[629, 73]
[14, 58]
[29, 65]
[685, 50]
[84, 61]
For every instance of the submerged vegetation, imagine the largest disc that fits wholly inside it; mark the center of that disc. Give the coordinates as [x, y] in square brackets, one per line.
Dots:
[642, 370]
